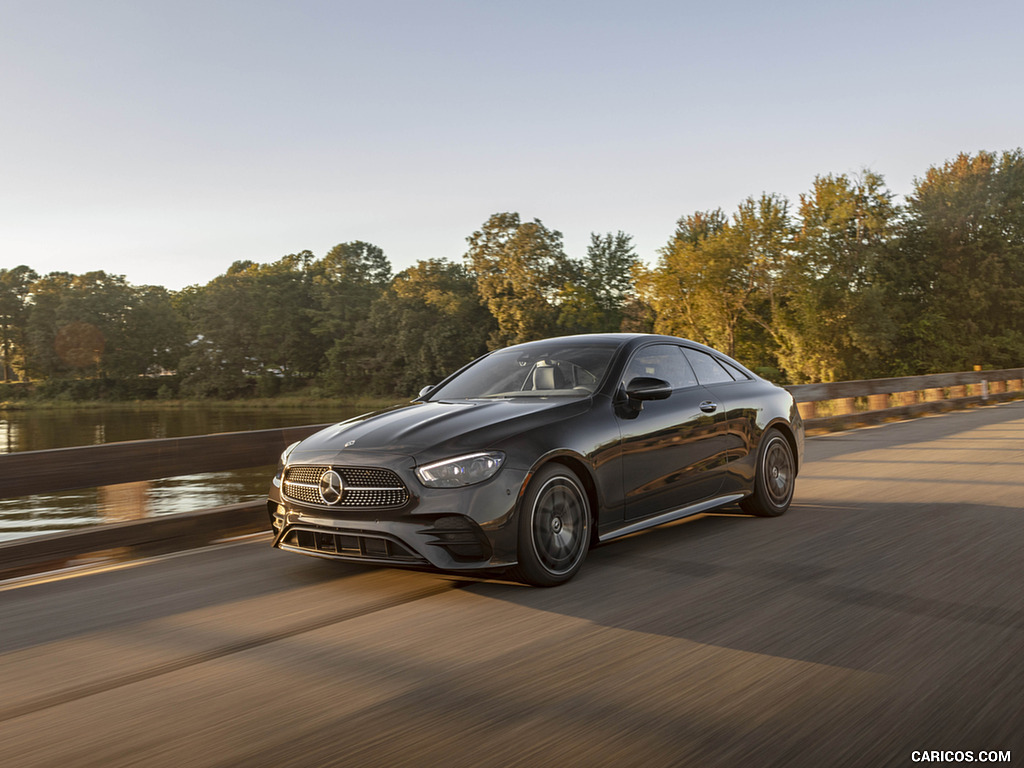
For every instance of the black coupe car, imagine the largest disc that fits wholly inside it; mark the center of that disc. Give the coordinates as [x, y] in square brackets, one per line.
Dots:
[528, 456]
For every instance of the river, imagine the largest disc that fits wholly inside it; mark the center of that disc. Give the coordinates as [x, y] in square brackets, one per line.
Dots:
[39, 430]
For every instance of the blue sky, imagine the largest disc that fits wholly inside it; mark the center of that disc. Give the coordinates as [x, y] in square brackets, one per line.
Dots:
[164, 141]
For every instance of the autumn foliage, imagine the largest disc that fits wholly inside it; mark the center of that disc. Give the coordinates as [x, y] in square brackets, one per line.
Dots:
[846, 283]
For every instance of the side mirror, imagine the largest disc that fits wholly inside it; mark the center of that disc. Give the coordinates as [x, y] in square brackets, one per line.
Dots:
[648, 388]
[425, 390]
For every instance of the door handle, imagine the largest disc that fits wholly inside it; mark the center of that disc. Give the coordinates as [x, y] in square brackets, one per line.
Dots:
[708, 407]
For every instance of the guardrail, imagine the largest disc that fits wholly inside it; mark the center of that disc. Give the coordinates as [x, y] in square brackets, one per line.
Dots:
[92, 466]
[122, 470]
[114, 464]
[843, 403]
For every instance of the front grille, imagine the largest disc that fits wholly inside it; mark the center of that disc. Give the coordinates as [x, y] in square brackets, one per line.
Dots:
[347, 545]
[363, 487]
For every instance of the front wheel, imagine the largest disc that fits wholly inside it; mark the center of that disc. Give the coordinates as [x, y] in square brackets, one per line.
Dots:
[554, 528]
[775, 478]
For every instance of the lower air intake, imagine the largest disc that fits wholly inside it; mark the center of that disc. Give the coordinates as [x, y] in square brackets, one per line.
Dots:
[348, 545]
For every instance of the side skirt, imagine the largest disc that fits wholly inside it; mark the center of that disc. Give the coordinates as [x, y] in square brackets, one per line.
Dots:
[668, 517]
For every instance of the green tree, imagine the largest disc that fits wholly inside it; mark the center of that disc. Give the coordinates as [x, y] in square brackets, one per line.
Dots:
[837, 319]
[154, 337]
[717, 281]
[251, 323]
[764, 231]
[960, 266]
[521, 272]
[224, 320]
[595, 300]
[45, 299]
[98, 325]
[346, 283]
[285, 334]
[15, 288]
[427, 324]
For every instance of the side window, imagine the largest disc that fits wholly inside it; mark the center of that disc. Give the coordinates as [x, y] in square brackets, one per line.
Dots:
[736, 372]
[661, 361]
[709, 371]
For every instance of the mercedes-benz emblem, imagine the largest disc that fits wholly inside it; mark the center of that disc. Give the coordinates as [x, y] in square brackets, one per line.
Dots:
[332, 487]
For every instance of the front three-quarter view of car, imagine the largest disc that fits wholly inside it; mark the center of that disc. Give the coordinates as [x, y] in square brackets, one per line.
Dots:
[530, 455]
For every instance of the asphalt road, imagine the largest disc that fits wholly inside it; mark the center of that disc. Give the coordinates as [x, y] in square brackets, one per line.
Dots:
[884, 614]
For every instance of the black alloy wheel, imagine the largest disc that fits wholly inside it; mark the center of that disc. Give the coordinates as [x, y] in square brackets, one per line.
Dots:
[554, 527]
[776, 477]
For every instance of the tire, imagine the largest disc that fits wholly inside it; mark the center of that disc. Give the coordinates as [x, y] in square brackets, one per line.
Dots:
[554, 528]
[775, 478]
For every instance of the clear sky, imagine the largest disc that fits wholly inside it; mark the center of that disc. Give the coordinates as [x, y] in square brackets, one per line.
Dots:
[165, 140]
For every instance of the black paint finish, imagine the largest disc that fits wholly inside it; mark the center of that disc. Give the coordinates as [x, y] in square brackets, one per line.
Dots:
[640, 460]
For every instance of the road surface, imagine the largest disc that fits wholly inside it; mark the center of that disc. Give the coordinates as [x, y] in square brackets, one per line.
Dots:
[881, 616]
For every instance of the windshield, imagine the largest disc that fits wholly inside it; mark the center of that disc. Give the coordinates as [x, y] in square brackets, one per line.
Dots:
[539, 369]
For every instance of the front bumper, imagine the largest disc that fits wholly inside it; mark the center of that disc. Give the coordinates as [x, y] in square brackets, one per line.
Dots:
[451, 529]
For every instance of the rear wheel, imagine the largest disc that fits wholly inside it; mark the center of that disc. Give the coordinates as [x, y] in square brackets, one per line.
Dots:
[554, 527]
[775, 478]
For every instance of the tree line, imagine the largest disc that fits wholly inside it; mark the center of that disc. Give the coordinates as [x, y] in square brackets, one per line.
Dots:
[846, 284]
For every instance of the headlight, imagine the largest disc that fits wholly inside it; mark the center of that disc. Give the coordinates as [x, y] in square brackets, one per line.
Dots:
[461, 470]
[282, 461]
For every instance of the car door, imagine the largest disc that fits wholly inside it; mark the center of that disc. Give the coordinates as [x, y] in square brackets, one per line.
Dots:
[731, 391]
[670, 457]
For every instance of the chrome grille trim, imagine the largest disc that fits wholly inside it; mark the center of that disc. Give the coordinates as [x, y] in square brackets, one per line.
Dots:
[365, 487]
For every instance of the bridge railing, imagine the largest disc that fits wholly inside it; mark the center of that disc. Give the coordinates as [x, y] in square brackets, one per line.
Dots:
[841, 403]
[111, 464]
[92, 466]
[122, 471]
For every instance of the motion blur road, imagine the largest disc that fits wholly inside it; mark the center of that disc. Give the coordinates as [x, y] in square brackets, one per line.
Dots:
[883, 615]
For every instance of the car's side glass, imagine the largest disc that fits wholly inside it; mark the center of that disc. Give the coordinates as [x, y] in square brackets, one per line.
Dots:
[660, 361]
[736, 372]
[707, 368]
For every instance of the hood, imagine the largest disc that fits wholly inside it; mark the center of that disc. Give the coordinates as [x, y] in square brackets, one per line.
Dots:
[438, 429]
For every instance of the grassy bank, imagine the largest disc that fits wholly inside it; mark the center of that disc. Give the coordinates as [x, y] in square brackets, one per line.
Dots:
[239, 404]
[165, 393]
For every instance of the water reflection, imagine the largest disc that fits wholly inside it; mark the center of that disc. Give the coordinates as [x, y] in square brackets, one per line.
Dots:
[40, 430]
[8, 436]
